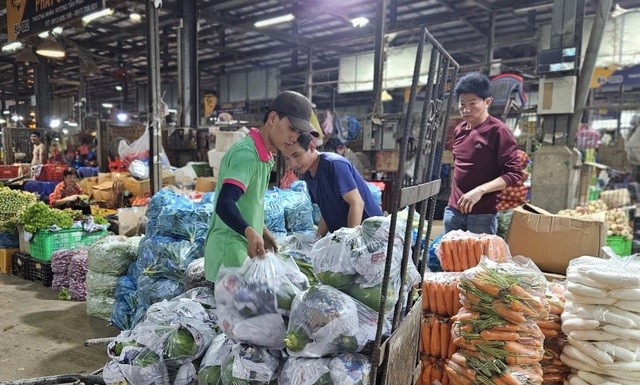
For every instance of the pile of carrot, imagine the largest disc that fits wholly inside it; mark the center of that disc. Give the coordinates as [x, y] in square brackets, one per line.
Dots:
[554, 371]
[432, 371]
[440, 293]
[435, 337]
[461, 250]
[496, 332]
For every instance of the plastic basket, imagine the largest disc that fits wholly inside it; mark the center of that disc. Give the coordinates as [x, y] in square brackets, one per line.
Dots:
[202, 169]
[20, 265]
[51, 173]
[117, 166]
[40, 271]
[620, 245]
[45, 242]
[89, 239]
[9, 172]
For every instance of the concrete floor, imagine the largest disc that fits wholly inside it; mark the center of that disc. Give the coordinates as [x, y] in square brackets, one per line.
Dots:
[43, 336]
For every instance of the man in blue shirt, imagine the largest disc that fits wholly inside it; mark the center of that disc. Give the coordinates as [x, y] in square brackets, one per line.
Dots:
[334, 185]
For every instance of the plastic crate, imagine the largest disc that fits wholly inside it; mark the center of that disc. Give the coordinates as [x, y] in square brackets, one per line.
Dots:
[6, 260]
[89, 239]
[40, 271]
[20, 265]
[620, 245]
[45, 242]
[9, 240]
[117, 166]
[202, 169]
[51, 173]
[9, 172]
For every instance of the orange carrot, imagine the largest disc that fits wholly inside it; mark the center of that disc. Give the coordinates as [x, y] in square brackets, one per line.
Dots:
[494, 335]
[445, 378]
[448, 289]
[497, 381]
[471, 253]
[506, 313]
[485, 246]
[456, 300]
[436, 372]
[426, 373]
[441, 299]
[452, 348]
[446, 258]
[431, 292]
[549, 333]
[425, 297]
[477, 250]
[461, 257]
[434, 348]
[510, 379]
[485, 286]
[425, 336]
[548, 324]
[445, 335]
[523, 308]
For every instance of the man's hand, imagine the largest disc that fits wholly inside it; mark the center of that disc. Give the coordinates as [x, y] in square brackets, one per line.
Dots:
[255, 246]
[270, 243]
[468, 200]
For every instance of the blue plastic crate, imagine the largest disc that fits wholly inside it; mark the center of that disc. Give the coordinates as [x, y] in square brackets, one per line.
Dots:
[41, 189]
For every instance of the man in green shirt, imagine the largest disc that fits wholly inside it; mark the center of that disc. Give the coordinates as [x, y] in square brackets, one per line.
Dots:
[237, 227]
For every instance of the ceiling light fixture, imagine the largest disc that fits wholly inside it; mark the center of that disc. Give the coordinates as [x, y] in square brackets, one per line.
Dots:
[107, 105]
[274, 20]
[385, 96]
[359, 22]
[50, 48]
[118, 88]
[13, 46]
[96, 15]
[44, 34]
[135, 17]
[27, 56]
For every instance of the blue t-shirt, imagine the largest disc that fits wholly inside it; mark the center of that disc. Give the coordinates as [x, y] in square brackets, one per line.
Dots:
[335, 177]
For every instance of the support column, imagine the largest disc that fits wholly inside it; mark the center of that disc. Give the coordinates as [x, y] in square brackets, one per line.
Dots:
[43, 94]
[378, 56]
[189, 74]
[155, 107]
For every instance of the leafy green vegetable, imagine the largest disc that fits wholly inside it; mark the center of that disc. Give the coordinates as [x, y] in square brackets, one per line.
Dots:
[12, 204]
[39, 217]
[179, 344]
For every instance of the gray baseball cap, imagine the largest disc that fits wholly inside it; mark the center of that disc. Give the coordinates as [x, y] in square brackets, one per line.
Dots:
[296, 107]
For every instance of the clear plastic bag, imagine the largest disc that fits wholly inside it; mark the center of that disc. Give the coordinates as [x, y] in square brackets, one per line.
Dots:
[101, 284]
[100, 306]
[194, 275]
[460, 250]
[197, 304]
[343, 369]
[251, 300]
[250, 365]
[211, 365]
[325, 321]
[111, 255]
[139, 150]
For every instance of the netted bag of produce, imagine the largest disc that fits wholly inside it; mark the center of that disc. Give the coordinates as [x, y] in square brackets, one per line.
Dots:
[111, 255]
[101, 284]
[100, 306]
[251, 365]
[251, 300]
[326, 321]
[211, 365]
[274, 212]
[298, 212]
[60, 261]
[78, 274]
[60, 281]
[184, 219]
[167, 257]
[460, 250]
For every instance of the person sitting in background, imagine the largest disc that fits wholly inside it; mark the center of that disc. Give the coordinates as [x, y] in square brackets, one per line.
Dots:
[334, 184]
[67, 193]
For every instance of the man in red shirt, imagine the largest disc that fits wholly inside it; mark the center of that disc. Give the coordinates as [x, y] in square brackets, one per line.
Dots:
[485, 160]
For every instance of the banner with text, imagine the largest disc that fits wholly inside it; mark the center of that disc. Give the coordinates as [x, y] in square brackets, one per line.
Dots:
[30, 17]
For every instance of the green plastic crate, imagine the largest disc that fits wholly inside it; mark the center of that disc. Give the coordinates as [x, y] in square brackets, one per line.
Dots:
[89, 239]
[45, 242]
[620, 245]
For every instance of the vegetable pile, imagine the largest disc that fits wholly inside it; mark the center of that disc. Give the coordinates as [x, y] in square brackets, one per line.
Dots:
[440, 293]
[554, 371]
[495, 331]
[39, 216]
[342, 369]
[460, 250]
[617, 219]
[13, 203]
[602, 320]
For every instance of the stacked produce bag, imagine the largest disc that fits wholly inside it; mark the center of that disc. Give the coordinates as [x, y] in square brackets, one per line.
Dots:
[165, 347]
[12, 204]
[69, 269]
[461, 250]
[496, 332]
[554, 371]
[602, 321]
[108, 259]
[514, 196]
[175, 236]
[440, 301]
[288, 212]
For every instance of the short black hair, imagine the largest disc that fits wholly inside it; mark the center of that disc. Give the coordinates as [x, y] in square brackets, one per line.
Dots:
[304, 139]
[36, 133]
[69, 171]
[266, 115]
[474, 83]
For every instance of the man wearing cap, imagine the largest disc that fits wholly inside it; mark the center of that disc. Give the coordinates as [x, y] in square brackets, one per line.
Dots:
[237, 226]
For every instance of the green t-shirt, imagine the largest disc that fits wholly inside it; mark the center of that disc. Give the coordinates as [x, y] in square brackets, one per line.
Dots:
[248, 165]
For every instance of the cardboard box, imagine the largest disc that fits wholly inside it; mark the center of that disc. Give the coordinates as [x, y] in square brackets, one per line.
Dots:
[141, 188]
[205, 184]
[104, 177]
[103, 194]
[5, 260]
[551, 241]
[128, 219]
[86, 184]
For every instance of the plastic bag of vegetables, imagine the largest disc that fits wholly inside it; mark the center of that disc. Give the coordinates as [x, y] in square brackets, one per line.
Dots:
[111, 255]
[342, 369]
[326, 321]
[197, 303]
[184, 219]
[167, 257]
[250, 365]
[211, 365]
[252, 299]
[298, 212]
[274, 212]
